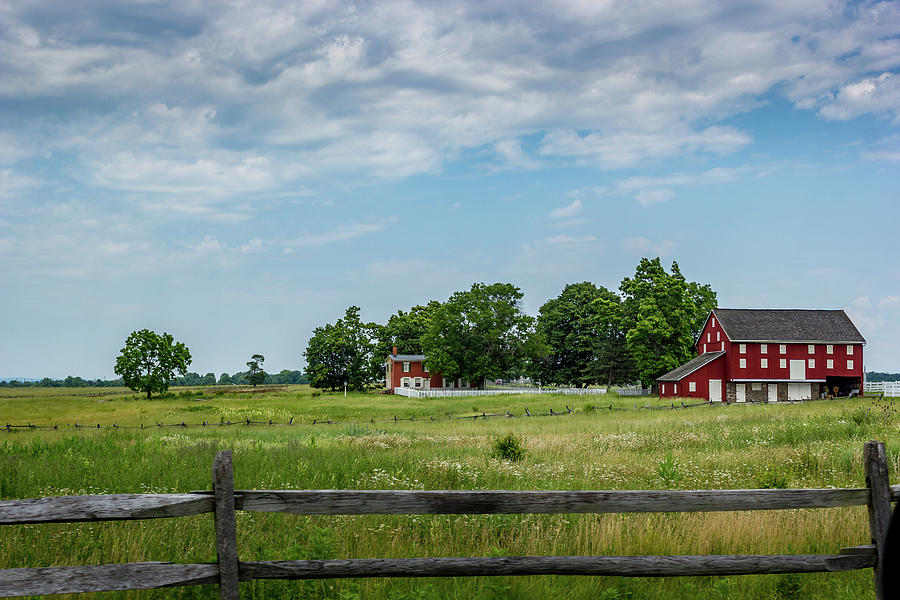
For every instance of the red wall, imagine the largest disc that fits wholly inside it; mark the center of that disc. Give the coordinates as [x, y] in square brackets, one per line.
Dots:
[714, 370]
[755, 371]
[415, 370]
[713, 331]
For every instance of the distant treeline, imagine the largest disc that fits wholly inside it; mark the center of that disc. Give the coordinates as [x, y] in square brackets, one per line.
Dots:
[879, 376]
[285, 377]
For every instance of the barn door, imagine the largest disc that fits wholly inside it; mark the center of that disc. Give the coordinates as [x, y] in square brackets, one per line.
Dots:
[773, 392]
[740, 391]
[798, 369]
[715, 390]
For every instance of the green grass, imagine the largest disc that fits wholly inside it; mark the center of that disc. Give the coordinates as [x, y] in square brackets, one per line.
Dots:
[800, 445]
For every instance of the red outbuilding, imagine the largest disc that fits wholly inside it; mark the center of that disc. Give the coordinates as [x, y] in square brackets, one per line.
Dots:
[771, 355]
[411, 371]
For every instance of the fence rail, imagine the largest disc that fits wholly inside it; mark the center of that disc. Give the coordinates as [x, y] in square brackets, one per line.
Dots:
[888, 388]
[224, 500]
[448, 393]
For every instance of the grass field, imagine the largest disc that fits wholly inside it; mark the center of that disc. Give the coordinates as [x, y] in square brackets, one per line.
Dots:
[799, 445]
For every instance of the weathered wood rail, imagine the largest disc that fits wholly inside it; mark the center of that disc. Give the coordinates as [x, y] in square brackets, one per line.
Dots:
[223, 501]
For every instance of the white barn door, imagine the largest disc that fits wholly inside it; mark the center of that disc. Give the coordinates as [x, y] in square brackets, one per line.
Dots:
[740, 391]
[773, 392]
[798, 369]
[715, 390]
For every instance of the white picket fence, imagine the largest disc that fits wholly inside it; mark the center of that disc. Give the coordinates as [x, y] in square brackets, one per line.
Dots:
[442, 393]
[888, 388]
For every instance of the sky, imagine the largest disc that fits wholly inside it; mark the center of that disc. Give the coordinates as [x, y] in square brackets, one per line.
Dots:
[239, 173]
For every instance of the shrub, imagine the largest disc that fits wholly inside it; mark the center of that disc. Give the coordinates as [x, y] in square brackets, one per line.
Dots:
[509, 447]
[667, 470]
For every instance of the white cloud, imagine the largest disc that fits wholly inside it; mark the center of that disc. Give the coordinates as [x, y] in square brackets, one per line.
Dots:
[568, 239]
[209, 245]
[715, 175]
[567, 212]
[653, 196]
[644, 246]
[889, 301]
[873, 95]
[340, 233]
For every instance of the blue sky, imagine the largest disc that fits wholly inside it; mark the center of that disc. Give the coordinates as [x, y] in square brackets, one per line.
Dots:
[239, 173]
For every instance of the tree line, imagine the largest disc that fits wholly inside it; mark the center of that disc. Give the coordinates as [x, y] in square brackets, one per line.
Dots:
[588, 335]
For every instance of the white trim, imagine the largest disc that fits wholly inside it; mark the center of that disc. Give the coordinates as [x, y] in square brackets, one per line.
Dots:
[779, 380]
[839, 342]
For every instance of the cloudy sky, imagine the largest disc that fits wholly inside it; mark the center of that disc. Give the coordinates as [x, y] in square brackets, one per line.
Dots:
[238, 173]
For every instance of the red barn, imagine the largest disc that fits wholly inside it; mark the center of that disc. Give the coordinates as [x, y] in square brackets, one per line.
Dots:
[410, 371]
[762, 355]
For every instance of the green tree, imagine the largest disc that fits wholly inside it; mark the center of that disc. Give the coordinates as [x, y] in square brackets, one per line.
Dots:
[255, 373]
[481, 334]
[663, 314]
[149, 361]
[583, 330]
[404, 330]
[343, 353]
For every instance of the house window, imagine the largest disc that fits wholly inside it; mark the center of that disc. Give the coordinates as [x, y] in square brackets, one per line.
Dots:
[662, 388]
[782, 348]
[829, 364]
[692, 386]
[764, 363]
[404, 381]
[406, 367]
[829, 349]
[782, 363]
[812, 363]
[743, 363]
[418, 383]
[850, 365]
[674, 388]
[849, 349]
[742, 349]
[763, 349]
[811, 348]
[718, 336]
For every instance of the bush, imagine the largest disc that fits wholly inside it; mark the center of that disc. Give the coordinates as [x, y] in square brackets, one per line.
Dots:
[509, 447]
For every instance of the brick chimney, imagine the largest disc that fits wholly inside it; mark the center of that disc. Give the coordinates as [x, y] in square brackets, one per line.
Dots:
[395, 351]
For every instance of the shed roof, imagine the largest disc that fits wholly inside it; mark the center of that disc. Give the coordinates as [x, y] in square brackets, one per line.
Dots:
[787, 325]
[407, 357]
[689, 367]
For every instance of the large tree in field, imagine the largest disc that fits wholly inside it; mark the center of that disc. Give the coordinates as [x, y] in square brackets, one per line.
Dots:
[480, 334]
[663, 314]
[149, 361]
[404, 330]
[343, 353]
[255, 373]
[584, 333]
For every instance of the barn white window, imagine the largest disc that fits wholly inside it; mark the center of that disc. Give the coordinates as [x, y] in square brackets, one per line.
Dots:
[723, 346]
[849, 349]
[692, 386]
[713, 321]
[718, 336]
[742, 348]
[743, 363]
[850, 364]
[763, 348]
[782, 348]
[829, 349]
[406, 367]
[704, 348]
[662, 388]
[829, 364]
[812, 363]
[764, 363]
[674, 388]
[708, 337]
[782, 363]
[756, 387]
[418, 382]
[811, 348]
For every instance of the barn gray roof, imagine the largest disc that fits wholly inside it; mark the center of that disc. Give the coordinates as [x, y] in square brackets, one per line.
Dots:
[780, 325]
[691, 366]
[407, 357]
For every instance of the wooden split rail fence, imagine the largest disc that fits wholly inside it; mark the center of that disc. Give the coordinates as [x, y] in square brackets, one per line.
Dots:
[223, 501]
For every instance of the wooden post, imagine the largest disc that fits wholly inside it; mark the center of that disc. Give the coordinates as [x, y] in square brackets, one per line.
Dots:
[226, 531]
[879, 506]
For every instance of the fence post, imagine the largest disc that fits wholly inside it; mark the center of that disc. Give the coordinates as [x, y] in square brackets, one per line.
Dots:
[226, 530]
[879, 506]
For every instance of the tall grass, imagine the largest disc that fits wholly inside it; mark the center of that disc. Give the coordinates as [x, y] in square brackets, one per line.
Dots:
[811, 445]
